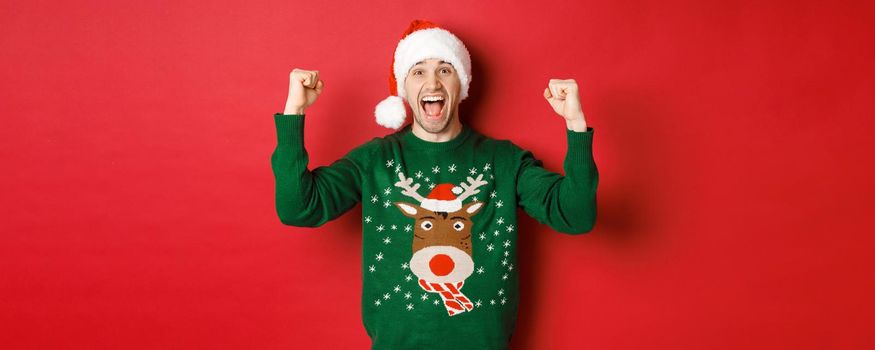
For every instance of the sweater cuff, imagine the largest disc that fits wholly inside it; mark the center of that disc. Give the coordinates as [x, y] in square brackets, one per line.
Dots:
[580, 145]
[289, 128]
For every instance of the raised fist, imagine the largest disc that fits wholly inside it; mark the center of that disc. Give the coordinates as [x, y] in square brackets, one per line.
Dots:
[304, 87]
[563, 97]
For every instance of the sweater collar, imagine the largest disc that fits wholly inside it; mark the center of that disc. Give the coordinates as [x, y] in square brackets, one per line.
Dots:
[410, 139]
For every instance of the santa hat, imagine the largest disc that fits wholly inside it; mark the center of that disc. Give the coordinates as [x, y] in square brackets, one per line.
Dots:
[443, 198]
[421, 40]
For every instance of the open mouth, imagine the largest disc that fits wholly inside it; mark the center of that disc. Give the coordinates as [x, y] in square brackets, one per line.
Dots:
[432, 106]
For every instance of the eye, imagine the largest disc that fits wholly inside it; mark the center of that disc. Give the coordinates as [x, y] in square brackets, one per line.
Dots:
[445, 70]
[417, 72]
[458, 225]
[426, 225]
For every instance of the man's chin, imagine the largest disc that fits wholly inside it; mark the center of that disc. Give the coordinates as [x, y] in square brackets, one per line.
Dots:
[433, 125]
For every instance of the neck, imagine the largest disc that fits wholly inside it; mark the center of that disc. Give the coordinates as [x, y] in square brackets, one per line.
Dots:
[451, 131]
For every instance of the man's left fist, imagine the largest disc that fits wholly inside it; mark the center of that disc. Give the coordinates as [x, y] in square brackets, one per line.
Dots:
[564, 98]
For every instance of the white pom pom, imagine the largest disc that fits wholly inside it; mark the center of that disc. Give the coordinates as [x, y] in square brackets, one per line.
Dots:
[391, 112]
[457, 190]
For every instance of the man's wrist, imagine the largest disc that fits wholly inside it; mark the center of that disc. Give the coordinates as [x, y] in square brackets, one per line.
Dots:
[292, 110]
[577, 124]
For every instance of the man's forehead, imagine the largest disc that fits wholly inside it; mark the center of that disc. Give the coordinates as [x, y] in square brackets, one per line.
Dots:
[439, 63]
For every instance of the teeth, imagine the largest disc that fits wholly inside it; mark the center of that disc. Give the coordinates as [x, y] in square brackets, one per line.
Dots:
[432, 98]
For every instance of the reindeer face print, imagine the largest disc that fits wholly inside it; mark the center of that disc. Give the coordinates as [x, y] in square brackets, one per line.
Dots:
[439, 228]
[442, 238]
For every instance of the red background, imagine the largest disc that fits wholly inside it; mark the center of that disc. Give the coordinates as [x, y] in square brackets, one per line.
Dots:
[733, 140]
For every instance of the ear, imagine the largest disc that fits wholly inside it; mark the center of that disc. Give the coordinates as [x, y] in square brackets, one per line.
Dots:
[408, 209]
[472, 208]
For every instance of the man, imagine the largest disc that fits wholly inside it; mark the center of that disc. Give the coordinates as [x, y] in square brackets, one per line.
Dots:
[438, 198]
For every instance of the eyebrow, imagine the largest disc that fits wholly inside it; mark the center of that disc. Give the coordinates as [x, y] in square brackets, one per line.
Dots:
[423, 61]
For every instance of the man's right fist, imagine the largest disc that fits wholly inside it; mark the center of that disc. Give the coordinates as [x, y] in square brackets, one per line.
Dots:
[304, 88]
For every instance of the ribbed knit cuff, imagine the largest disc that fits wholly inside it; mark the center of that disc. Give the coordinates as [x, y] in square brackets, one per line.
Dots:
[580, 145]
[289, 128]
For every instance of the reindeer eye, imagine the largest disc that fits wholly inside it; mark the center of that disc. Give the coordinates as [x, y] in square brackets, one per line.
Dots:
[458, 226]
[426, 225]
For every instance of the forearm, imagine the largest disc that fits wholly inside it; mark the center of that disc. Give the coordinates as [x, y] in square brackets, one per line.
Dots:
[303, 197]
[577, 191]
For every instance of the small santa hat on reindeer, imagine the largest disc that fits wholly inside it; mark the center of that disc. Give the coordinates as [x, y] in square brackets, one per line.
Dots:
[421, 40]
[443, 198]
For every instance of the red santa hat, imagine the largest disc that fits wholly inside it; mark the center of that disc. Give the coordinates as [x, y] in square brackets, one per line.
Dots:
[421, 40]
[443, 198]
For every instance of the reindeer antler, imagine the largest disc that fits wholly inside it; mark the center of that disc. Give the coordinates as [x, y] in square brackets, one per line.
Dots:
[408, 190]
[471, 189]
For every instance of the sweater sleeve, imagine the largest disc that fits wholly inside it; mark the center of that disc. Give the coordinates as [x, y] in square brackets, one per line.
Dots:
[565, 203]
[310, 198]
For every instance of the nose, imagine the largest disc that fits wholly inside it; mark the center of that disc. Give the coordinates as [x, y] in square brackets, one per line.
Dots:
[441, 264]
[433, 82]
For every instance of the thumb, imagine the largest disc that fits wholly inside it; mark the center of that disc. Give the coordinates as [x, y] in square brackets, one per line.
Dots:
[319, 86]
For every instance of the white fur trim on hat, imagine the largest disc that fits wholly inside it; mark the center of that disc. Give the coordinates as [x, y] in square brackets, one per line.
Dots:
[432, 43]
[390, 112]
[441, 205]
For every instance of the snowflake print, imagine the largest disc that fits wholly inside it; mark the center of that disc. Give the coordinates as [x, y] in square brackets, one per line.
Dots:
[380, 228]
[486, 167]
[510, 267]
[407, 295]
[491, 176]
[501, 291]
[504, 277]
[393, 227]
[374, 199]
[407, 228]
[386, 204]
[436, 302]
[408, 278]
[430, 186]
[398, 168]
[472, 171]
[368, 219]
[390, 163]
[418, 174]
[397, 289]
[427, 179]
[500, 221]
[504, 262]
[506, 253]
[404, 266]
[493, 194]
[409, 307]
[509, 228]
[497, 232]
[499, 204]
[482, 236]
[424, 296]
[387, 240]
[377, 302]
[477, 303]
[507, 243]
[435, 170]
[503, 300]
[379, 256]
[480, 270]
[372, 268]
[388, 190]
[386, 296]
[491, 301]
[490, 247]
[452, 168]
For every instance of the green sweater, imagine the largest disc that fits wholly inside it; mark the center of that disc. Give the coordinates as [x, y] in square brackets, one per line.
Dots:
[439, 225]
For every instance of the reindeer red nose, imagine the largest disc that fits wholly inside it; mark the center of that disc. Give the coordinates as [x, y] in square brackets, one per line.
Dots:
[441, 265]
